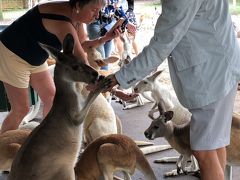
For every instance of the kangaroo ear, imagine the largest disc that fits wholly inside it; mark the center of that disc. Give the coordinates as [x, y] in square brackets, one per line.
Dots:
[68, 44]
[168, 115]
[112, 59]
[100, 62]
[54, 53]
[128, 59]
[155, 75]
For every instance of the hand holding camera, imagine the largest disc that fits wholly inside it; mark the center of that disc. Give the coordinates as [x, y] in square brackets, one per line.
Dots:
[120, 24]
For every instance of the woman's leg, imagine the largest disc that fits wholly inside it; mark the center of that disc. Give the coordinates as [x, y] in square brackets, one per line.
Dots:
[135, 47]
[119, 46]
[43, 84]
[19, 101]
[108, 50]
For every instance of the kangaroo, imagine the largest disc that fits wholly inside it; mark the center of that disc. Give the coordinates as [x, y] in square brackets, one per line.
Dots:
[109, 154]
[178, 136]
[101, 118]
[126, 53]
[32, 113]
[162, 94]
[51, 150]
[233, 150]
[126, 57]
[10, 142]
[168, 101]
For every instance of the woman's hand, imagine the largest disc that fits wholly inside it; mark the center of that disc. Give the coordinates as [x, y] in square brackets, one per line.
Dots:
[124, 96]
[118, 93]
[116, 33]
[97, 42]
[131, 28]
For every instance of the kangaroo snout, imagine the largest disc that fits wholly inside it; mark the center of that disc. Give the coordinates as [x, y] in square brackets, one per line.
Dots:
[100, 77]
[94, 76]
[135, 90]
[147, 135]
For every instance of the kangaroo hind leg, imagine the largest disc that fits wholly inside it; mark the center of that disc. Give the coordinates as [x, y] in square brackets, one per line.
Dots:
[65, 174]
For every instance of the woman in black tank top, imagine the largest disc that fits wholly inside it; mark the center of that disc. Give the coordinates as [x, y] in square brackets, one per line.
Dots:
[47, 23]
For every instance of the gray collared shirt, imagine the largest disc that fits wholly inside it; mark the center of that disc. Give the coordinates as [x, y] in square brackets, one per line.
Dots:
[203, 54]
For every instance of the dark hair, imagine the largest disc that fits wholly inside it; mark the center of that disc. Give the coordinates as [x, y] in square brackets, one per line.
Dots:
[82, 3]
[130, 5]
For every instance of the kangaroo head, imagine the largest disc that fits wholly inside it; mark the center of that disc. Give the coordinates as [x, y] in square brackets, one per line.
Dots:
[94, 55]
[127, 59]
[147, 84]
[97, 61]
[158, 126]
[124, 60]
[73, 68]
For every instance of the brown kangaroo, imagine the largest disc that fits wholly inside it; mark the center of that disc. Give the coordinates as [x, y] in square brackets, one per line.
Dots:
[10, 142]
[111, 153]
[51, 150]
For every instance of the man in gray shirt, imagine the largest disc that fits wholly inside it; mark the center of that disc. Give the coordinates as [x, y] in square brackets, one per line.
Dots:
[203, 54]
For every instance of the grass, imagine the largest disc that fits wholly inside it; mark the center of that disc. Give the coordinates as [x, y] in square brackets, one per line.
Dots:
[147, 8]
[235, 10]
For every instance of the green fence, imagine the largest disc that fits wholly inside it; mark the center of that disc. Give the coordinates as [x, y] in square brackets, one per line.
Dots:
[4, 103]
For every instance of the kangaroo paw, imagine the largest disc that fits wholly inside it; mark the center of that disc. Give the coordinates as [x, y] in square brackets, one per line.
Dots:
[103, 84]
[179, 170]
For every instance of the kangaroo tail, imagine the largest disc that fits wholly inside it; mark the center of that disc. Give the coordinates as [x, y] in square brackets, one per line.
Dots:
[154, 149]
[144, 166]
[119, 125]
[143, 143]
[33, 112]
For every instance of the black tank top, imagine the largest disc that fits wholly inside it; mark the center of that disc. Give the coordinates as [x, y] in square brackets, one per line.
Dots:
[23, 35]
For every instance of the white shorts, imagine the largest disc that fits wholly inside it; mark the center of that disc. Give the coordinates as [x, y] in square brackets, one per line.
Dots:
[14, 70]
[210, 126]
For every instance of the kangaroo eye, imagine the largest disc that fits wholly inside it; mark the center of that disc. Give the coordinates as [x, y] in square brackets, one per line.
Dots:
[145, 82]
[155, 127]
[75, 68]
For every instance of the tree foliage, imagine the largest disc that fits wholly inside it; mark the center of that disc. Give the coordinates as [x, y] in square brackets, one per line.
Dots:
[1, 12]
